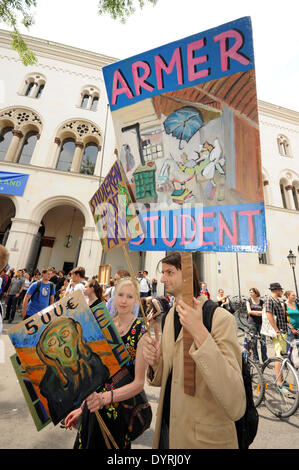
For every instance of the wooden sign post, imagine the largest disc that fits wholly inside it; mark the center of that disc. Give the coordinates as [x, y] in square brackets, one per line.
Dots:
[189, 364]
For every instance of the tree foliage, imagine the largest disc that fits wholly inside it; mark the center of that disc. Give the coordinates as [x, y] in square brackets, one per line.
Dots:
[121, 9]
[15, 12]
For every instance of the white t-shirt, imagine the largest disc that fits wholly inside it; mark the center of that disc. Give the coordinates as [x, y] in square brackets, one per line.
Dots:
[144, 285]
[80, 286]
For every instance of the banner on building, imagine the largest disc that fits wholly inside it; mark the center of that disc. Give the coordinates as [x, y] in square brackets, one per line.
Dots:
[13, 183]
[186, 122]
[63, 354]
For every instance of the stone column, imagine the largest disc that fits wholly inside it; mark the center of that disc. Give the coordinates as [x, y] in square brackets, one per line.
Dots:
[20, 240]
[289, 195]
[11, 154]
[90, 251]
[77, 157]
[33, 91]
[266, 191]
[151, 262]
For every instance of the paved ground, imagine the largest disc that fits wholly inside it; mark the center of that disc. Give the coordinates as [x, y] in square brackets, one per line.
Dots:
[18, 431]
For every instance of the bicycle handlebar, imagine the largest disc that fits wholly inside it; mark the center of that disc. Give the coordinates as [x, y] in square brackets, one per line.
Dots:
[253, 335]
[292, 343]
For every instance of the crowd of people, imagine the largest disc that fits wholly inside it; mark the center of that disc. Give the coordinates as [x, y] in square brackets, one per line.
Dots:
[183, 421]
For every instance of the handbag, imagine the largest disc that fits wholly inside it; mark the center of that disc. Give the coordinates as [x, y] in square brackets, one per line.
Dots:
[136, 411]
[267, 329]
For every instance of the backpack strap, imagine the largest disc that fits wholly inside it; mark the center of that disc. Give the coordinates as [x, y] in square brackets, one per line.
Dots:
[208, 310]
[37, 288]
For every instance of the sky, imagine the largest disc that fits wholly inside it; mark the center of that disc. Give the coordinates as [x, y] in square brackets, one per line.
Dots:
[274, 23]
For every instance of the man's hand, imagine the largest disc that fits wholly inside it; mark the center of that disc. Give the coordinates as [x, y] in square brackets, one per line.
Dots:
[151, 349]
[191, 320]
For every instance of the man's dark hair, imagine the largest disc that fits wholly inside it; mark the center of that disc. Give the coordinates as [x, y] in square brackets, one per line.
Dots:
[79, 270]
[98, 290]
[174, 259]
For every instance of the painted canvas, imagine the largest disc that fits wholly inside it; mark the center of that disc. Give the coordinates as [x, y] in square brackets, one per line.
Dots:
[186, 121]
[113, 212]
[63, 354]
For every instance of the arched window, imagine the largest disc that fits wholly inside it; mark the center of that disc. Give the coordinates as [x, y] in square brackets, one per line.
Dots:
[89, 159]
[295, 191]
[28, 147]
[33, 85]
[40, 90]
[5, 139]
[89, 98]
[29, 88]
[283, 195]
[66, 155]
[283, 145]
[94, 103]
[84, 101]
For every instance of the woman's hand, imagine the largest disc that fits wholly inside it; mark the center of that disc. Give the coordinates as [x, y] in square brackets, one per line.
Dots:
[72, 418]
[95, 401]
[191, 320]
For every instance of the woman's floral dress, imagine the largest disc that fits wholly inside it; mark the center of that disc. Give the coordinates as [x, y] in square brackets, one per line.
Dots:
[89, 434]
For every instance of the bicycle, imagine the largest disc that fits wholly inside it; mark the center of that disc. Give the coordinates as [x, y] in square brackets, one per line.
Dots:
[257, 379]
[281, 393]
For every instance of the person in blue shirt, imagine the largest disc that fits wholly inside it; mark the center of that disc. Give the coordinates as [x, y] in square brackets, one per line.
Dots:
[292, 311]
[39, 295]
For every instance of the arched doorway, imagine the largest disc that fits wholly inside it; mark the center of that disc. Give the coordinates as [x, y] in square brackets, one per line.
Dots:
[59, 239]
[7, 212]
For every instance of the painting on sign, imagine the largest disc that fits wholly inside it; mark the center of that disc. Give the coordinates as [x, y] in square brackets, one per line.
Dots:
[64, 353]
[186, 121]
[113, 211]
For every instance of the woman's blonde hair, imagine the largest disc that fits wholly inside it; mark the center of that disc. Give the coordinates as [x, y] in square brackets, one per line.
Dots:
[288, 293]
[121, 283]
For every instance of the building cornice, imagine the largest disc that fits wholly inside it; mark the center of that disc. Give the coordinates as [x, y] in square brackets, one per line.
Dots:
[282, 210]
[274, 111]
[61, 52]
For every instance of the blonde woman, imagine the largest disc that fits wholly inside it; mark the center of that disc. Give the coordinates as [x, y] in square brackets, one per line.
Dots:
[107, 400]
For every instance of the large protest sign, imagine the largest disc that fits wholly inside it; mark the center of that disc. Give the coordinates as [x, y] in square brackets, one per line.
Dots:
[113, 211]
[186, 123]
[64, 353]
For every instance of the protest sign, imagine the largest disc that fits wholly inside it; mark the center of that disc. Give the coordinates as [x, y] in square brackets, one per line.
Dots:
[186, 122]
[63, 354]
[113, 211]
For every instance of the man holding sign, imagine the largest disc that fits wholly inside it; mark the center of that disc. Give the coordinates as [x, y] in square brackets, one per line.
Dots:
[205, 420]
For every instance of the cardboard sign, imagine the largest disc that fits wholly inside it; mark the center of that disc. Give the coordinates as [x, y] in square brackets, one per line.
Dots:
[186, 122]
[113, 211]
[64, 353]
[104, 274]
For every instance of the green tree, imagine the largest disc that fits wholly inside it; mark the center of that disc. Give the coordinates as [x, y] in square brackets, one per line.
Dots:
[15, 12]
[121, 9]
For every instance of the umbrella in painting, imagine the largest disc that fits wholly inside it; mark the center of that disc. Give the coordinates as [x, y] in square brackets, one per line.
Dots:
[183, 123]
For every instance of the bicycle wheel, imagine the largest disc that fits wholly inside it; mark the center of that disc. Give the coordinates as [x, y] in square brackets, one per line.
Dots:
[283, 400]
[242, 318]
[258, 385]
